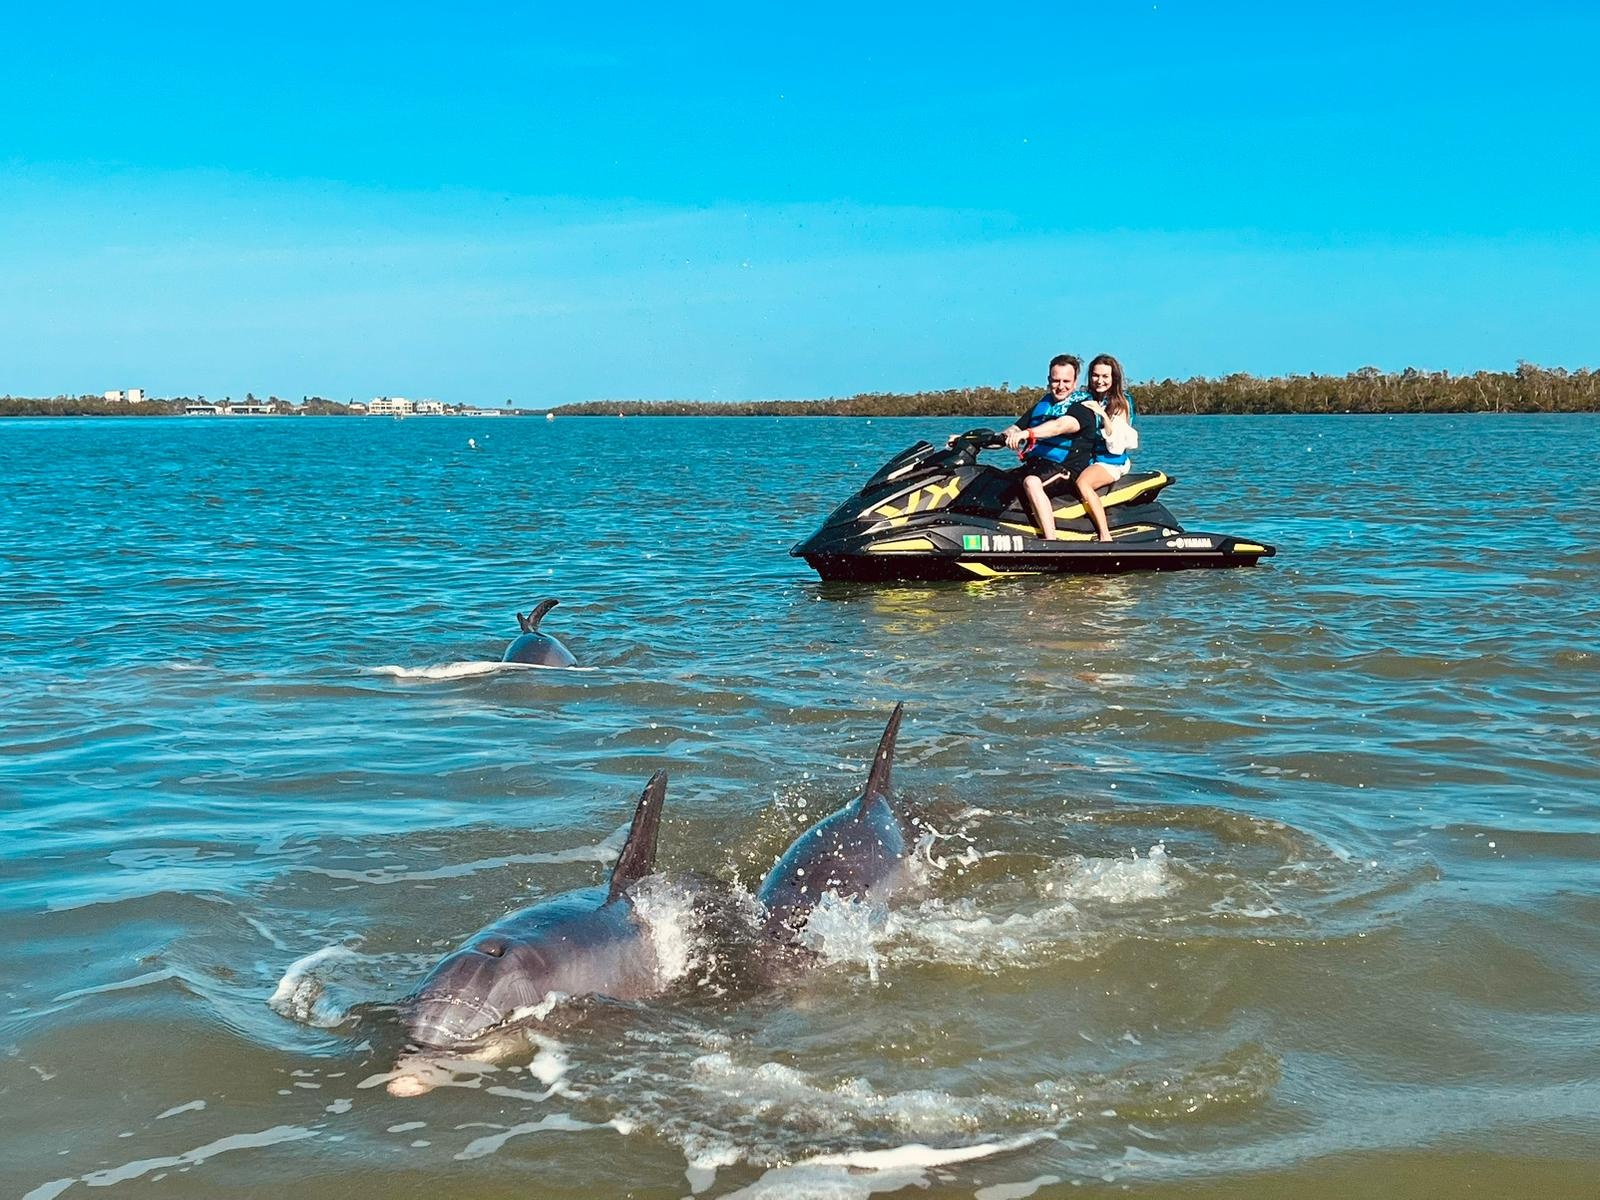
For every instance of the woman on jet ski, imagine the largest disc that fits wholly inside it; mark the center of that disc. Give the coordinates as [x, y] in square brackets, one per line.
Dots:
[1050, 438]
[1107, 392]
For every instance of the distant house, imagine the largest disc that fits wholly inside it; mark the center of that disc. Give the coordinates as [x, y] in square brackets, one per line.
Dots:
[390, 406]
[132, 396]
[429, 408]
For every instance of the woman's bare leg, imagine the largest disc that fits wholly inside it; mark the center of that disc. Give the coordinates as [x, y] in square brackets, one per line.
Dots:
[1093, 476]
[1044, 513]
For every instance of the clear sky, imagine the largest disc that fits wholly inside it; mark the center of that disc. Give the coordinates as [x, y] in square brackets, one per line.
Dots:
[785, 200]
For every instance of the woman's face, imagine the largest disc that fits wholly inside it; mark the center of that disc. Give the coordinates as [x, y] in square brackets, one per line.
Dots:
[1100, 378]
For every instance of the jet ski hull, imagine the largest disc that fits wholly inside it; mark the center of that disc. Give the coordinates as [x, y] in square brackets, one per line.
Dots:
[1183, 552]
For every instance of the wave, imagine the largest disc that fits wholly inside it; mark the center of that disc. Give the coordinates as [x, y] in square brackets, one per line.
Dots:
[464, 670]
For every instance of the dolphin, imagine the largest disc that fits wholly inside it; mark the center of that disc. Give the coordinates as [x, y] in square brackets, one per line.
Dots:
[584, 942]
[535, 648]
[858, 851]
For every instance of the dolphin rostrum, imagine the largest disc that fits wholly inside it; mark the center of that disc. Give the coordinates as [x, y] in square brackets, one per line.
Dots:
[584, 942]
[535, 648]
[860, 850]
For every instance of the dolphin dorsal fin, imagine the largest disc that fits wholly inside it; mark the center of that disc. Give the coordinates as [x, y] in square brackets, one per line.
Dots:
[638, 856]
[879, 782]
[530, 623]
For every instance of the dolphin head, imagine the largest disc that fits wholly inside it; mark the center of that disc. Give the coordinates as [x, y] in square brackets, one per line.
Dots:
[476, 989]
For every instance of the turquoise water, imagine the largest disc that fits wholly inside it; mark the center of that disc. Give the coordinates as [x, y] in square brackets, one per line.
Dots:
[1248, 883]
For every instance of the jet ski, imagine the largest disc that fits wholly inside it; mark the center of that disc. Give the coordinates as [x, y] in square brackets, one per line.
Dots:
[933, 513]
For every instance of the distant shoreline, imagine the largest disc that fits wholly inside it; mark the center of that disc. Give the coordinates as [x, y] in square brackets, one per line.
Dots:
[1527, 389]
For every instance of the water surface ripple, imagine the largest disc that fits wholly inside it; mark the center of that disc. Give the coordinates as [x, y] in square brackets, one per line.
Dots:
[1249, 883]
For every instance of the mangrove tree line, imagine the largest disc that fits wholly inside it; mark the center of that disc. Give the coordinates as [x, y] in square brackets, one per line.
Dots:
[1527, 389]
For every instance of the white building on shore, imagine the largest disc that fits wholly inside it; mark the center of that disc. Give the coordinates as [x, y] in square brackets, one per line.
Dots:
[390, 406]
[131, 395]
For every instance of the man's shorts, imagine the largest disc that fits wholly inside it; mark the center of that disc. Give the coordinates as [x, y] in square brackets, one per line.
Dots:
[1056, 476]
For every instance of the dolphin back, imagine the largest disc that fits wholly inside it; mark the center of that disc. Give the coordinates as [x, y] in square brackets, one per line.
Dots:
[858, 850]
[536, 649]
[638, 857]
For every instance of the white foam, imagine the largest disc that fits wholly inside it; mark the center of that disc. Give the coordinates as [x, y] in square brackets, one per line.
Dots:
[536, 1012]
[860, 1173]
[485, 1146]
[455, 670]
[192, 1106]
[1015, 1191]
[917, 1155]
[844, 930]
[133, 1170]
[704, 1158]
[673, 923]
[465, 670]
[959, 933]
[964, 932]
[550, 1065]
[1116, 880]
[302, 993]
[772, 1089]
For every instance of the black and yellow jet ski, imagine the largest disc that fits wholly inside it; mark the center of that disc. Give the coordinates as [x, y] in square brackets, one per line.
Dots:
[941, 514]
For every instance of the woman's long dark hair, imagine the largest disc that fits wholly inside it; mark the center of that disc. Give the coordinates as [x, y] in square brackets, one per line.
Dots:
[1116, 400]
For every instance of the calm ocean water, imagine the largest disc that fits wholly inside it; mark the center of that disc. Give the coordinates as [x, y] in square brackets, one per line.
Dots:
[1250, 883]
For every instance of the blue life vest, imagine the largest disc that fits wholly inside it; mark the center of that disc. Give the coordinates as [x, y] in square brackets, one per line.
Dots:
[1055, 449]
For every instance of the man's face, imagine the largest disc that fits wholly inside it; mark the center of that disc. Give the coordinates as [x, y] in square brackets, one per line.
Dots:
[1062, 380]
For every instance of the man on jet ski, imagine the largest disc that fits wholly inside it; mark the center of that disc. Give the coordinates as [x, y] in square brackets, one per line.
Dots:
[1055, 440]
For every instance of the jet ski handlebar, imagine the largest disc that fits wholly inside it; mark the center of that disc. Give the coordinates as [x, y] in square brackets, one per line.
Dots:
[963, 448]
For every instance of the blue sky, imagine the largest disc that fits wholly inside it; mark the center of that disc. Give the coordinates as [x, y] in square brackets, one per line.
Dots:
[762, 200]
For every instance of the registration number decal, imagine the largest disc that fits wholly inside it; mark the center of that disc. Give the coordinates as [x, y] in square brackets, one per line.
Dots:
[999, 542]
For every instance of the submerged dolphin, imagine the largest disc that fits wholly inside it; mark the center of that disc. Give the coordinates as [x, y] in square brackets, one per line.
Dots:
[535, 648]
[861, 849]
[584, 942]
